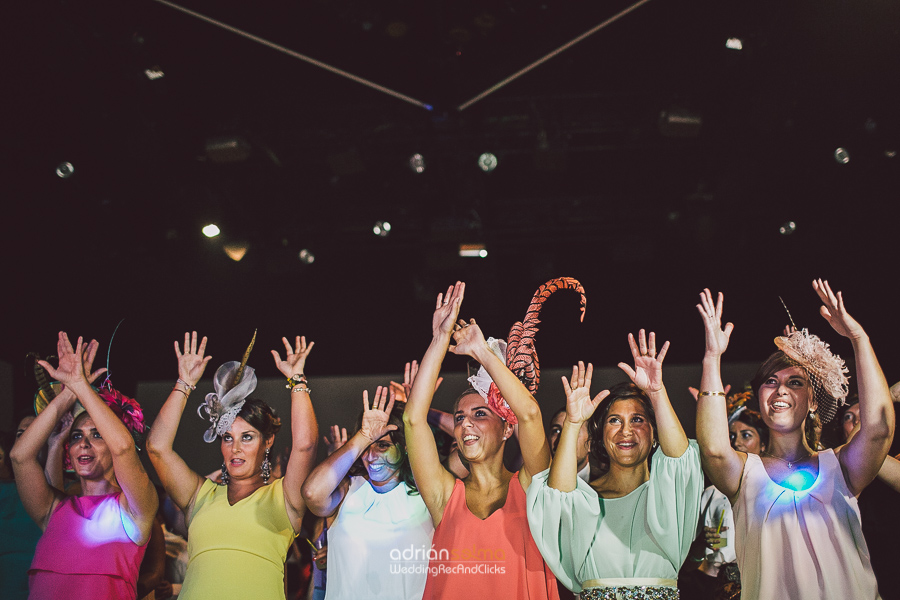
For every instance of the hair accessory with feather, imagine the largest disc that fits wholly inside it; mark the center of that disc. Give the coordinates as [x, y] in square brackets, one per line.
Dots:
[520, 355]
[234, 382]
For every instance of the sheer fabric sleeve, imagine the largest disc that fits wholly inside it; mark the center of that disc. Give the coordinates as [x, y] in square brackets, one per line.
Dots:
[563, 525]
[673, 505]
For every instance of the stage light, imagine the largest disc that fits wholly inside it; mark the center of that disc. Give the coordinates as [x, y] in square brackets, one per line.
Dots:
[734, 43]
[890, 153]
[487, 162]
[787, 228]
[154, 74]
[211, 230]
[381, 228]
[472, 251]
[65, 170]
[842, 156]
[307, 257]
[417, 163]
[235, 251]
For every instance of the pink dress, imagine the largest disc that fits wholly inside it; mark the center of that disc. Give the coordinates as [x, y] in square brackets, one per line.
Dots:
[803, 545]
[85, 553]
[493, 558]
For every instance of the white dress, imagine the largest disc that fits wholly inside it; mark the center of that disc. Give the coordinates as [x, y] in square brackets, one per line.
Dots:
[803, 545]
[378, 545]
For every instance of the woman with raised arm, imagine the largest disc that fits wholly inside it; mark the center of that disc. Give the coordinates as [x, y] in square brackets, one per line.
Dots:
[379, 540]
[626, 533]
[240, 531]
[797, 521]
[482, 544]
[93, 543]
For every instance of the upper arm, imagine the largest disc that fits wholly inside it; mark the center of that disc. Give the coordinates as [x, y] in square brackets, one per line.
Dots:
[139, 498]
[861, 460]
[890, 472]
[299, 464]
[725, 471]
[535, 450]
[329, 506]
[38, 498]
[434, 482]
[181, 482]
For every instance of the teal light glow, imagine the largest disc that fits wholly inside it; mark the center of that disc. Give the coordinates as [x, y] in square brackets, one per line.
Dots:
[801, 480]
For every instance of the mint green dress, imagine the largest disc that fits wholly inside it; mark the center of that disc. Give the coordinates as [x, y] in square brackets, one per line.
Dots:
[646, 534]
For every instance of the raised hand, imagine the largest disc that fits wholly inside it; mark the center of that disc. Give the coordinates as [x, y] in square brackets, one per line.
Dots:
[400, 391]
[716, 337]
[295, 358]
[71, 361]
[834, 312]
[61, 432]
[447, 309]
[191, 362]
[468, 338]
[336, 439]
[87, 361]
[647, 371]
[375, 423]
[579, 405]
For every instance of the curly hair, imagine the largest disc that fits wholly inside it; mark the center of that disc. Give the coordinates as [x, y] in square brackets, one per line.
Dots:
[397, 437]
[261, 416]
[597, 422]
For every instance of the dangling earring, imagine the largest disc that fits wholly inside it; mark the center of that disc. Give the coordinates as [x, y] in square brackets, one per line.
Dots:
[266, 468]
[226, 479]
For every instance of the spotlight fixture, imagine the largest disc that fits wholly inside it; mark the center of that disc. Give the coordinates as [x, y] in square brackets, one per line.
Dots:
[154, 73]
[472, 251]
[417, 163]
[734, 43]
[235, 251]
[842, 156]
[211, 230]
[306, 257]
[65, 170]
[787, 228]
[487, 162]
[381, 228]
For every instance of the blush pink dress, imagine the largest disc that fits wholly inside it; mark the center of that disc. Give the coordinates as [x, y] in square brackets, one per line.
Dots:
[493, 558]
[801, 544]
[85, 553]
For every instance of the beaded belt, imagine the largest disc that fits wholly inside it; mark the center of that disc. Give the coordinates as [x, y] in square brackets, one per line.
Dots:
[639, 588]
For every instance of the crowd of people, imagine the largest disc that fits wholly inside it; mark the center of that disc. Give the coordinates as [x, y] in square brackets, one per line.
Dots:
[611, 501]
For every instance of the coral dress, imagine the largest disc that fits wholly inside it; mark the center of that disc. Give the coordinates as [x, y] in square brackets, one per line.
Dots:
[804, 545]
[237, 552]
[493, 558]
[85, 553]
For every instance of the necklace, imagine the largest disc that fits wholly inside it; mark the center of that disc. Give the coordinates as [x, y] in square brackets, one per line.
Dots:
[789, 463]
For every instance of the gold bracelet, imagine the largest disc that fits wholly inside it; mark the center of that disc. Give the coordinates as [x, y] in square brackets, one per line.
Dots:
[711, 394]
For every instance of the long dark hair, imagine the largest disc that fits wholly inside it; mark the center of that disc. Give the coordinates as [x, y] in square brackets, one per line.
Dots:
[397, 437]
[597, 422]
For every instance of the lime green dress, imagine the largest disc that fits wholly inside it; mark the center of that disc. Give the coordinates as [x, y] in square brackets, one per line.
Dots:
[237, 552]
[646, 534]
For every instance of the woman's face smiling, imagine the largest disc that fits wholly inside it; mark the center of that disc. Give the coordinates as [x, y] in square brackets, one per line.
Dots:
[785, 399]
[243, 449]
[382, 460]
[478, 430]
[745, 438]
[627, 433]
[88, 452]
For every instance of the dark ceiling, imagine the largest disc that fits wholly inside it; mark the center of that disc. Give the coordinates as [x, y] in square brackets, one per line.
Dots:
[590, 183]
